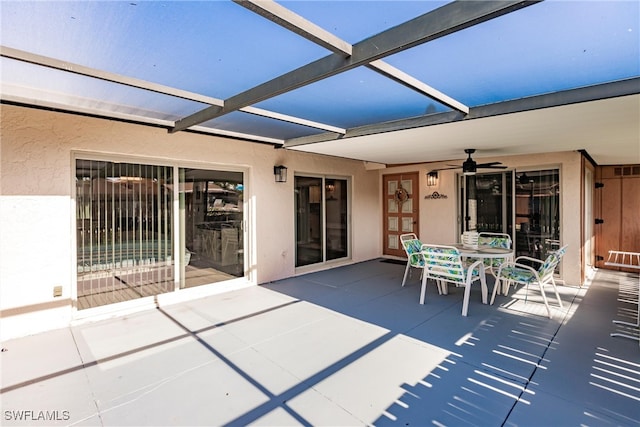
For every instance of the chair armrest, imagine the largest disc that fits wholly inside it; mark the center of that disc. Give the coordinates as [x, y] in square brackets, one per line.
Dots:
[415, 258]
[527, 258]
[518, 265]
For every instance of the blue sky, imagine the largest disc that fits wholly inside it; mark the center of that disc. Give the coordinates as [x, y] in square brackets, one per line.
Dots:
[219, 49]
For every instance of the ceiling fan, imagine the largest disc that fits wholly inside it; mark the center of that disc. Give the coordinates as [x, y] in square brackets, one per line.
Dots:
[470, 166]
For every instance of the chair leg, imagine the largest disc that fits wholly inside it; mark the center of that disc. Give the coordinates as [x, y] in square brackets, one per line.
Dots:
[495, 290]
[406, 272]
[465, 299]
[505, 287]
[555, 288]
[483, 285]
[544, 299]
[443, 287]
[423, 291]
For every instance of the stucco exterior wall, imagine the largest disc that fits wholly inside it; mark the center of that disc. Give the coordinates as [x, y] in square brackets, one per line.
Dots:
[439, 217]
[37, 224]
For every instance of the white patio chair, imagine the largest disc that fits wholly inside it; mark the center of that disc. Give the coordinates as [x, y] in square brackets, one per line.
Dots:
[469, 239]
[444, 265]
[413, 248]
[514, 272]
[495, 240]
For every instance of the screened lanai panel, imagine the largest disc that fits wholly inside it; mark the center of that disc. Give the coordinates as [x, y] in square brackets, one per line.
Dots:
[354, 98]
[259, 125]
[354, 21]
[216, 48]
[548, 47]
[220, 49]
[23, 79]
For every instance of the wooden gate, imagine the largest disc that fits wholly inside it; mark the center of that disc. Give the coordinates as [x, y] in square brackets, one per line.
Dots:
[617, 211]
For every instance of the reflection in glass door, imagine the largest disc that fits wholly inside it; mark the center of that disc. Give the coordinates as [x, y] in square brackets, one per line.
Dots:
[492, 206]
[537, 212]
[336, 214]
[321, 219]
[211, 223]
[536, 230]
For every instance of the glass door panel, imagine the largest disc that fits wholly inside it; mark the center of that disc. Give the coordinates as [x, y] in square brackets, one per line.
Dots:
[211, 222]
[309, 220]
[486, 202]
[322, 232]
[537, 212]
[494, 202]
[124, 231]
[336, 213]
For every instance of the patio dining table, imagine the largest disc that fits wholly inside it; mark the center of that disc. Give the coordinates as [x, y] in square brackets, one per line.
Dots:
[485, 252]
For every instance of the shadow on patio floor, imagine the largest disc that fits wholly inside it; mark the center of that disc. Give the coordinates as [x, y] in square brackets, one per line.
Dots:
[346, 346]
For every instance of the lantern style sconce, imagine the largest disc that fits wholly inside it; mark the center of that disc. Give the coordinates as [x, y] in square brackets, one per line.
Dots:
[432, 178]
[280, 173]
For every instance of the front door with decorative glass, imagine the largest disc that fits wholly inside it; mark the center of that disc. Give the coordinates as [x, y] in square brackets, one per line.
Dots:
[400, 210]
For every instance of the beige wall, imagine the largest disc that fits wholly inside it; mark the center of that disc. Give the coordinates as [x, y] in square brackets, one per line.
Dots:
[36, 217]
[439, 217]
[37, 227]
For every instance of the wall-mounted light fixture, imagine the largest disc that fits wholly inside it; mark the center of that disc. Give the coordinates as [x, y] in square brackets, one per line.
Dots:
[432, 178]
[280, 173]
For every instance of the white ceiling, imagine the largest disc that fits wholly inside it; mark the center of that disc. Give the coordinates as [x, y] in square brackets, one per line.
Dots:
[608, 130]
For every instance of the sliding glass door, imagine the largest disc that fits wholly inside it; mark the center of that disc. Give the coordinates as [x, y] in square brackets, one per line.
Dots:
[133, 239]
[125, 244]
[525, 205]
[321, 205]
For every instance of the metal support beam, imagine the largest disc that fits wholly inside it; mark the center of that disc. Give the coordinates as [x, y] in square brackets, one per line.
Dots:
[73, 68]
[412, 83]
[45, 61]
[284, 17]
[297, 24]
[448, 19]
[566, 97]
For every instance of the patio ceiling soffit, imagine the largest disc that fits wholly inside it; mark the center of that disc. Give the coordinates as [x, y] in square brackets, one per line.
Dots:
[445, 20]
[282, 16]
[608, 90]
[73, 68]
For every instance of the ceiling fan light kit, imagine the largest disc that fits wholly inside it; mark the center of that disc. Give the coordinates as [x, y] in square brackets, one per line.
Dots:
[469, 166]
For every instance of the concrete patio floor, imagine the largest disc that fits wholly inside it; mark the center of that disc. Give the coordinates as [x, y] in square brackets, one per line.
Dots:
[342, 347]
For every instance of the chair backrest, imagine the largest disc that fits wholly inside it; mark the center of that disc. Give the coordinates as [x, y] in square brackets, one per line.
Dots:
[413, 248]
[469, 239]
[495, 240]
[444, 263]
[551, 262]
[560, 252]
[408, 236]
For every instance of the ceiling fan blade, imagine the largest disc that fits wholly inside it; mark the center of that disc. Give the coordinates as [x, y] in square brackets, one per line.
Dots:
[445, 169]
[492, 167]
